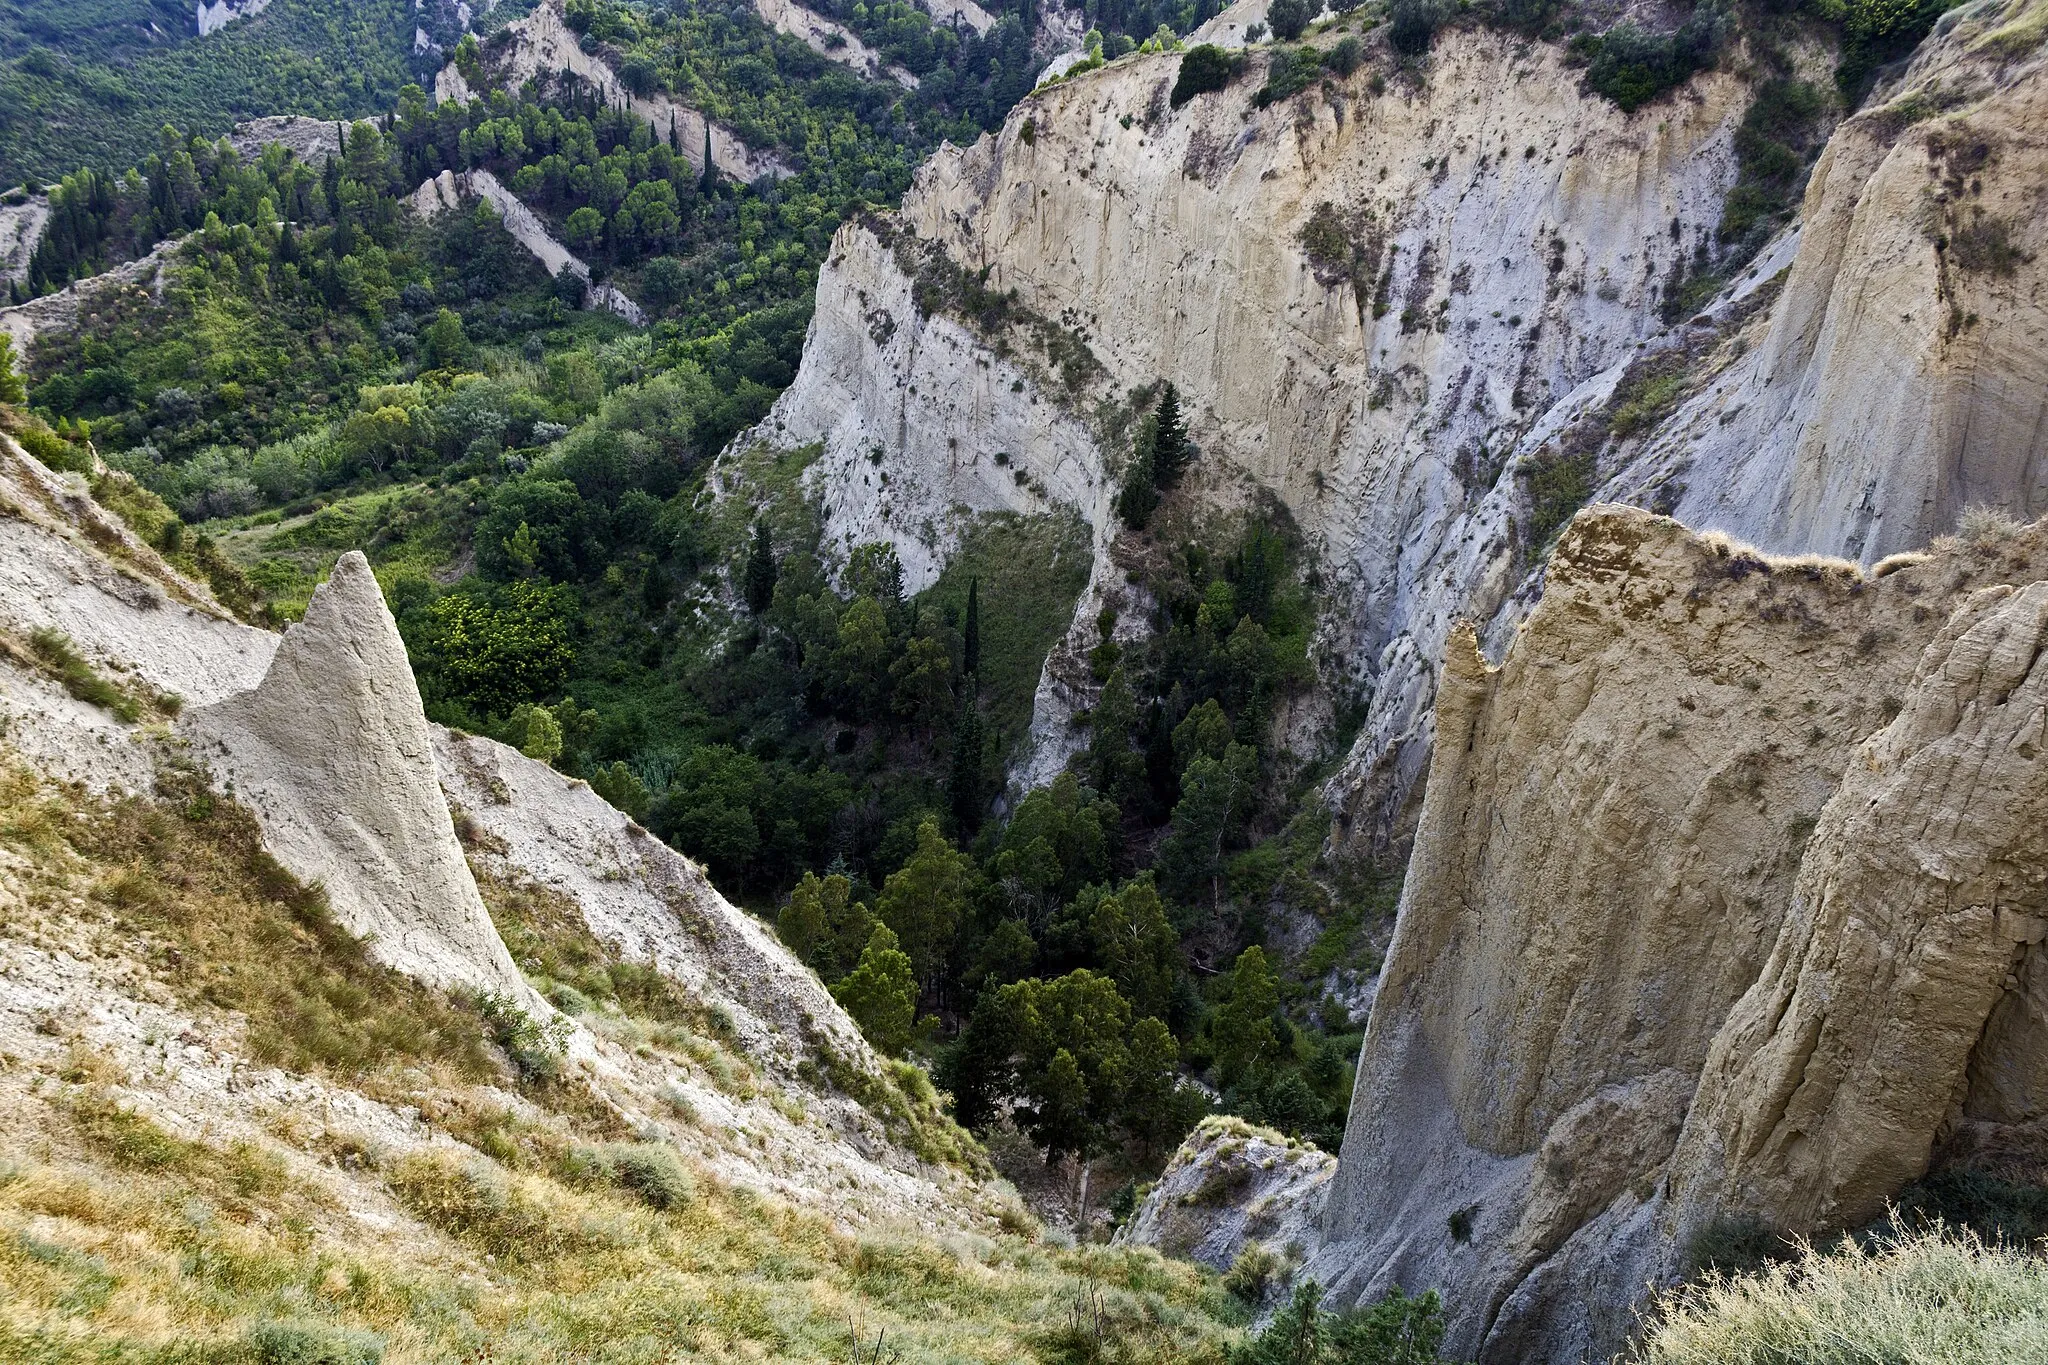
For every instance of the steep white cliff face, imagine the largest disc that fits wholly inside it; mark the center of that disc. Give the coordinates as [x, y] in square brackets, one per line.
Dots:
[919, 422]
[1484, 240]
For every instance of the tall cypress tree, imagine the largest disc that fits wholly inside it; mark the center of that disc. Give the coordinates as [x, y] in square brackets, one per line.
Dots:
[675, 137]
[963, 788]
[710, 185]
[970, 654]
[761, 570]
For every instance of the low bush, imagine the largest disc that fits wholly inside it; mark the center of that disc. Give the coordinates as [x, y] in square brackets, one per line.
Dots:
[1397, 1330]
[1633, 66]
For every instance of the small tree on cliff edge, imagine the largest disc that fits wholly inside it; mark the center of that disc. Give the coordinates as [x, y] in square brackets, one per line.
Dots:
[1159, 453]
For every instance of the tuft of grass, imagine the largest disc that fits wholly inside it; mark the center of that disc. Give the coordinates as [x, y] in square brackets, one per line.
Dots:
[55, 652]
[515, 1218]
[1914, 1298]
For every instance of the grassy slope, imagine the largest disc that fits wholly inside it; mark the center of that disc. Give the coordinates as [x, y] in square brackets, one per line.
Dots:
[1918, 1300]
[538, 1233]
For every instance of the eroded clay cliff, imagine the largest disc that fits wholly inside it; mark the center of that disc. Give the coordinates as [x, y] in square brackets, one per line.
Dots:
[1365, 295]
[1720, 904]
[1390, 299]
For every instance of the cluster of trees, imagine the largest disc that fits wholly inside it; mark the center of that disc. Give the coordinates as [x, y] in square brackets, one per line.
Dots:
[300, 285]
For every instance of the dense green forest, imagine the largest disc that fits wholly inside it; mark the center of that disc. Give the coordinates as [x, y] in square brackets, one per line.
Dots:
[83, 90]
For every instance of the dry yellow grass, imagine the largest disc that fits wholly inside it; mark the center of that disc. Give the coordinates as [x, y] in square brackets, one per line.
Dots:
[1931, 1298]
[532, 1231]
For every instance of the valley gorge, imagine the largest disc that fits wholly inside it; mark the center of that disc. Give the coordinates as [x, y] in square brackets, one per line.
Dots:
[1300, 680]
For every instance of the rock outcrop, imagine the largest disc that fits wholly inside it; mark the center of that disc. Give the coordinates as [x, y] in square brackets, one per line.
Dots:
[332, 753]
[213, 17]
[831, 40]
[1231, 1187]
[1721, 903]
[59, 312]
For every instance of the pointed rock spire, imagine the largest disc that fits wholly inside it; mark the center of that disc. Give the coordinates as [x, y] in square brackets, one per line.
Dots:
[332, 753]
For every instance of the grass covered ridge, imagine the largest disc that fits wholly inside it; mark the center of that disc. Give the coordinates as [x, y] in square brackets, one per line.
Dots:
[1915, 1298]
[222, 1255]
[525, 1227]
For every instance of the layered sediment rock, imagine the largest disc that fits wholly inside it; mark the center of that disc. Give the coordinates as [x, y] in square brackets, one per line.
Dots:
[1721, 902]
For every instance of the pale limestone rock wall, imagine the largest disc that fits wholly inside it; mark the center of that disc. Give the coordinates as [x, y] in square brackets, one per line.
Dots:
[955, 426]
[1639, 863]
[331, 752]
[1171, 242]
[212, 18]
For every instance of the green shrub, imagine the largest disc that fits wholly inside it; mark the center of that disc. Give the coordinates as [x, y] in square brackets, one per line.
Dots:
[1633, 66]
[1733, 1244]
[1203, 69]
[1397, 1330]
[1290, 71]
[1412, 25]
[308, 1343]
[1290, 17]
[653, 1172]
